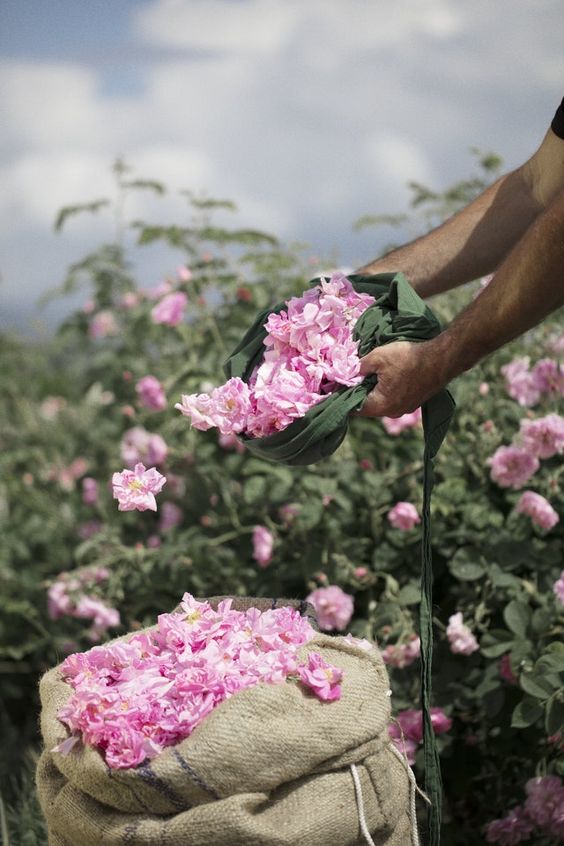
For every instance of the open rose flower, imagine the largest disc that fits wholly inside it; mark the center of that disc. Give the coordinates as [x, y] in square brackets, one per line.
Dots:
[334, 607]
[135, 489]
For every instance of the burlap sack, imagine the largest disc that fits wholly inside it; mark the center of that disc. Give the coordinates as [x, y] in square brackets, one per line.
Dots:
[269, 767]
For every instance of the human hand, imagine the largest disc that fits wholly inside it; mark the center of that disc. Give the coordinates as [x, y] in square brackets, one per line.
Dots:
[408, 374]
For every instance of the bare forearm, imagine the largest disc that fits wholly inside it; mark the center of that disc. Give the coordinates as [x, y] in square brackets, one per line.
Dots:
[527, 287]
[471, 244]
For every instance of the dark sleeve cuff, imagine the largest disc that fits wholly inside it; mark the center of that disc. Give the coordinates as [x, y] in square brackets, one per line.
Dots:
[557, 124]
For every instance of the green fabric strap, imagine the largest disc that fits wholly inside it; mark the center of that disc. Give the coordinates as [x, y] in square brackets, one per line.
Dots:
[398, 314]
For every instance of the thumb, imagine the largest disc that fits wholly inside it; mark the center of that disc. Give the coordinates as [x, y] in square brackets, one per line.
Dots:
[371, 362]
[375, 404]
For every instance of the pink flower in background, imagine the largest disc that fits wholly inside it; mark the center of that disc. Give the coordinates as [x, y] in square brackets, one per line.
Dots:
[51, 407]
[89, 529]
[151, 393]
[103, 325]
[548, 376]
[558, 588]
[555, 344]
[289, 511]
[511, 829]
[545, 800]
[321, 677]
[460, 638]
[88, 307]
[263, 543]
[396, 425]
[171, 516]
[129, 300]
[67, 597]
[183, 273]
[359, 642]
[135, 489]
[157, 291]
[402, 654]
[170, 310]
[334, 608]
[403, 516]
[411, 726]
[484, 389]
[153, 542]
[137, 444]
[538, 509]
[519, 382]
[360, 572]
[505, 670]
[512, 467]
[231, 441]
[543, 437]
[89, 491]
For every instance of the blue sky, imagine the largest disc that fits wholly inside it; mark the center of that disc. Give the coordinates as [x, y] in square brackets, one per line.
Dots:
[308, 113]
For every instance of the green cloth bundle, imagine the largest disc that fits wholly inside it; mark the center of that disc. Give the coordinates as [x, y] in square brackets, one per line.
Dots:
[398, 314]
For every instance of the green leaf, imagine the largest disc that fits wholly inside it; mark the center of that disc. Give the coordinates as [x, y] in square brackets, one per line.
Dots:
[254, 489]
[309, 516]
[467, 564]
[517, 615]
[554, 717]
[496, 642]
[69, 211]
[527, 712]
[535, 685]
[410, 594]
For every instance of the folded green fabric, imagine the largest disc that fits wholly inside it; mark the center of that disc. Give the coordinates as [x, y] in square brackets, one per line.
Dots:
[398, 314]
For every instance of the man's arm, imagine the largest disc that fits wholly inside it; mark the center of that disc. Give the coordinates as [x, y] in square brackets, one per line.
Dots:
[476, 240]
[527, 287]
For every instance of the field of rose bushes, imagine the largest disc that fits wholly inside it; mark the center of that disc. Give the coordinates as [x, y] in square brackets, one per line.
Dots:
[98, 400]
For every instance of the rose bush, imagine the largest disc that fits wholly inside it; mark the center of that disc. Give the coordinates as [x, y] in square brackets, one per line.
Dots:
[100, 395]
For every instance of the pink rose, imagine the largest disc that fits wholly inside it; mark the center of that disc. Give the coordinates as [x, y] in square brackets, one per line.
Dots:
[558, 588]
[171, 516]
[543, 437]
[137, 444]
[151, 393]
[103, 325]
[512, 467]
[460, 638]
[538, 509]
[135, 489]
[89, 491]
[396, 425]
[263, 542]
[170, 310]
[403, 516]
[334, 607]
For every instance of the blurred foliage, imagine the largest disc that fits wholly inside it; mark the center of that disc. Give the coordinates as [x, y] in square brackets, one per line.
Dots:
[74, 398]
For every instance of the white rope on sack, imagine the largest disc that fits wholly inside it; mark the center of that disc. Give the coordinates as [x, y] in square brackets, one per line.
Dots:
[413, 789]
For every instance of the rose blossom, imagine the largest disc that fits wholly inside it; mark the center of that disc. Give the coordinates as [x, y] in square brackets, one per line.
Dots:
[263, 542]
[403, 516]
[519, 382]
[334, 608]
[505, 671]
[170, 310]
[510, 830]
[538, 509]
[543, 437]
[89, 491]
[135, 489]
[512, 466]
[171, 516]
[151, 393]
[103, 325]
[137, 444]
[227, 407]
[396, 425]
[548, 376]
[558, 588]
[460, 638]
[411, 726]
[402, 654]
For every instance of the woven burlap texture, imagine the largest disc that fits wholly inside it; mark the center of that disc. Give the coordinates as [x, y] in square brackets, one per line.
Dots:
[268, 767]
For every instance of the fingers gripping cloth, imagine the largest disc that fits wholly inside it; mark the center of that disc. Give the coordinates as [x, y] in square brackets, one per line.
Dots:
[398, 314]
